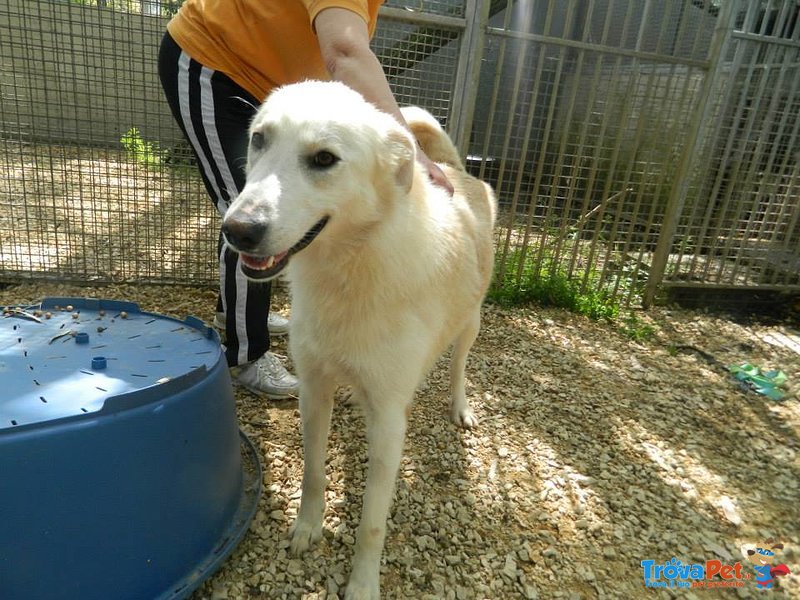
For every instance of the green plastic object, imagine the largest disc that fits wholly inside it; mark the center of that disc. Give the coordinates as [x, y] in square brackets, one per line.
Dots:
[767, 383]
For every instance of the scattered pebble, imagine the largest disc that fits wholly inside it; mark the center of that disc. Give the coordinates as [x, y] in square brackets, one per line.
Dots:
[593, 453]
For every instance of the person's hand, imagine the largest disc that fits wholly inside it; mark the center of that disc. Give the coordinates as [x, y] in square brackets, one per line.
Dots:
[435, 174]
[344, 45]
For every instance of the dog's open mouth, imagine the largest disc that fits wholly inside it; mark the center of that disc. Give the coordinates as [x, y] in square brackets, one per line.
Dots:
[267, 267]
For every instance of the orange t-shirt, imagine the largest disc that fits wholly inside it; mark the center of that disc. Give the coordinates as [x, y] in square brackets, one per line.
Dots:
[260, 44]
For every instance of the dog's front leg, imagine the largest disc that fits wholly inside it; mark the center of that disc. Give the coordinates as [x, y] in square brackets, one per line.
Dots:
[316, 405]
[386, 430]
[460, 411]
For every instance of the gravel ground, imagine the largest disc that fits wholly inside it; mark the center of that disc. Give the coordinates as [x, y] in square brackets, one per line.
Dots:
[593, 453]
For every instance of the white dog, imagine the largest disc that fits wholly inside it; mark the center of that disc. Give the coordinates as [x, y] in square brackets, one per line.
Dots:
[387, 271]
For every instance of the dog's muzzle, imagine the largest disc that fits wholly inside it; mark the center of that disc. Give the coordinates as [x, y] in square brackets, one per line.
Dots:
[263, 268]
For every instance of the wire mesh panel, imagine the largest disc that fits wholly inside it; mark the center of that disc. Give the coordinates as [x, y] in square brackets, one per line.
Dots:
[100, 185]
[420, 62]
[741, 225]
[585, 114]
[448, 8]
[630, 142]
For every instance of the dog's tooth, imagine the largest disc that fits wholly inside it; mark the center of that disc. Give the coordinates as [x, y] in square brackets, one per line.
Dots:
[270, 262]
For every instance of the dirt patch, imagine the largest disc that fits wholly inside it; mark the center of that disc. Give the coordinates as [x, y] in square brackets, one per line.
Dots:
[98, 215]
[594, 453]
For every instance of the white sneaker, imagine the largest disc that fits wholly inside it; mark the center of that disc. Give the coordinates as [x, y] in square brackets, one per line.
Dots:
[267, 376]
[278, 325]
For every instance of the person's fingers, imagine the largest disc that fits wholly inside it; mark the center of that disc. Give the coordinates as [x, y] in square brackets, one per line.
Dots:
[439, 178]
[435, 174]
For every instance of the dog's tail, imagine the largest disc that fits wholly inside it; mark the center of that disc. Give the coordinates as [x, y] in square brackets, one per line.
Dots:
[431, 137]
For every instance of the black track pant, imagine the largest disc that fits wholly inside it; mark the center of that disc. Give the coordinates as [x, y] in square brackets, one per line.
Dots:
[214, 114]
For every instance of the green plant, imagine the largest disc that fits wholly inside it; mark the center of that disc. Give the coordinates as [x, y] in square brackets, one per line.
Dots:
[548, 285]
[636, 329]
[146, 153]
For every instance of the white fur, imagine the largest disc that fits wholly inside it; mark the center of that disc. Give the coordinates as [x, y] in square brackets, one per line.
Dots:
[397, 275]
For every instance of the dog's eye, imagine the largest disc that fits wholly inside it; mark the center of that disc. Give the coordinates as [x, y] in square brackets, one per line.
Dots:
[324, 160]
[257, 140]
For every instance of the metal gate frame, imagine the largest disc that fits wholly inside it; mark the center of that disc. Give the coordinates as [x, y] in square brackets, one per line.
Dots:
[539, 223]
[739, 25]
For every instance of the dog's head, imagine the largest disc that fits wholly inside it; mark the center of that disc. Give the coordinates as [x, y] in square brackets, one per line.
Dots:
[320, 158]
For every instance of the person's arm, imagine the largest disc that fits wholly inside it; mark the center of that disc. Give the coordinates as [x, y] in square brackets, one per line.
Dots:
[344, 44]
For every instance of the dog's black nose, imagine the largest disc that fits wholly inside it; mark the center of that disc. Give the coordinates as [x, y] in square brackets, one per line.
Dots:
[244, 235]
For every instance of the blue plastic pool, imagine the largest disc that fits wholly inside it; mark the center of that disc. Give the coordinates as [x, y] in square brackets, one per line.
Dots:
[123, 473]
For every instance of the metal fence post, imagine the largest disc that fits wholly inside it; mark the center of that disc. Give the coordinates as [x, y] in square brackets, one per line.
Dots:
[465, 87]
[698, 127]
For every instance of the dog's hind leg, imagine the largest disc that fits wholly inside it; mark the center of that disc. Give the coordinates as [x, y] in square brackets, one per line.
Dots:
[316, 405]
[386, 431]
[460, 411]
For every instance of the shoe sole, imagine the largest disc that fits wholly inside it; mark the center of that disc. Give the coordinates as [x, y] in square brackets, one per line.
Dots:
[259, 392]
[272, 334]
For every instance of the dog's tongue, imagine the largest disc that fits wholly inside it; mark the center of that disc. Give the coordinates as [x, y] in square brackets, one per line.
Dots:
[257, 262]
[262, 262]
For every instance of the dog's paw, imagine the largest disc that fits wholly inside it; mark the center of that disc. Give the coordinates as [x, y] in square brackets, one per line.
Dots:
[464, 418]
[304, 535]
[357, 590]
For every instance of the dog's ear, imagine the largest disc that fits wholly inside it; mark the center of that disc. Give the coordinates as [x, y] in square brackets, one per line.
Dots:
[403, 152]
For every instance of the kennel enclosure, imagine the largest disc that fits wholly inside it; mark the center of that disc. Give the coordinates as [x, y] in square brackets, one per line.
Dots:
[635, 145]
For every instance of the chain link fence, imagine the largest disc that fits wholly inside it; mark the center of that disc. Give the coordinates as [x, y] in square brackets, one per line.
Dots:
[634, 144]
